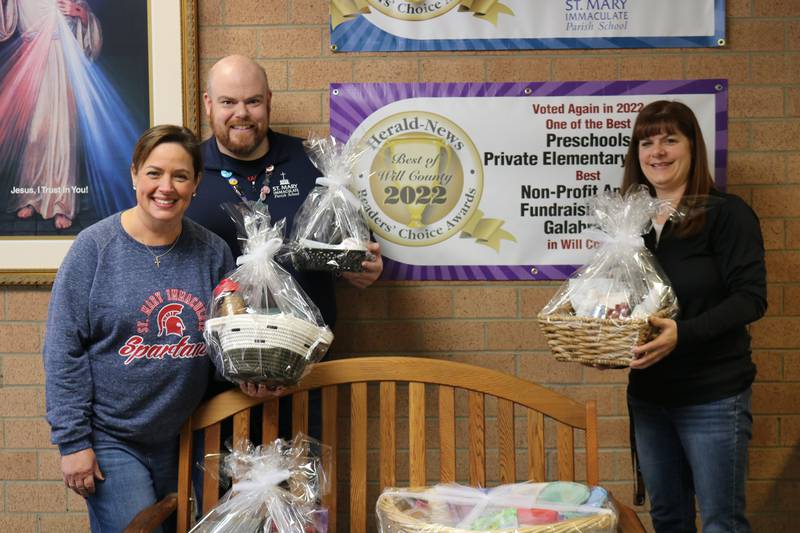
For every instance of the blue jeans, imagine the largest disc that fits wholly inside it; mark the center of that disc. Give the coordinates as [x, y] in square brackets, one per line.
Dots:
[136, 476]
[695, 450]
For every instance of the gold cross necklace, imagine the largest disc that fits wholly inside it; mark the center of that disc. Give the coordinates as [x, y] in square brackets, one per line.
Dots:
[157, 258]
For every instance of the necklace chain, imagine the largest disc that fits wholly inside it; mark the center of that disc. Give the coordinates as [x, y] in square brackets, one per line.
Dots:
[157, 258]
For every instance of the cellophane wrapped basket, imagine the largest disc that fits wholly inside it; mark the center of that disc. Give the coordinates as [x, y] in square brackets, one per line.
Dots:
[602, 311]
[276, 487]
[262, 327]
[330, 231]
[557, 507]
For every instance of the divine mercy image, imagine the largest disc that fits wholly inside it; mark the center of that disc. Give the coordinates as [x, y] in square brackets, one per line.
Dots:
[74, 96]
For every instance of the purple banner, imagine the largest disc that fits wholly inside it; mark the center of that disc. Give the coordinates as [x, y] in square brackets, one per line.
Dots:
[488, 181]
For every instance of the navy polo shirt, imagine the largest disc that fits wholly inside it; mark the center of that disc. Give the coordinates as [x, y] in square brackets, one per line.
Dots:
[290, 179]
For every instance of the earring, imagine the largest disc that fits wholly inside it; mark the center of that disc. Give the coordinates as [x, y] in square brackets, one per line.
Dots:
[194, 195]
[134, 186]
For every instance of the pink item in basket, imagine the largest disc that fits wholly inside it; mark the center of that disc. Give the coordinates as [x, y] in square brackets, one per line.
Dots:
[531, 517]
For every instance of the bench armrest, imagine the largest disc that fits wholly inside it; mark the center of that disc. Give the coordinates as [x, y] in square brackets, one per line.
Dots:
[151, 517]
[628, 519]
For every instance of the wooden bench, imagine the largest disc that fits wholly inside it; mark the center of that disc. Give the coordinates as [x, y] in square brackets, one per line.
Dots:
[539, 407]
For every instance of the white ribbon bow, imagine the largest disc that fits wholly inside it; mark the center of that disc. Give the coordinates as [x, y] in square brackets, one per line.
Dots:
[261, 252]
[248, 495]
[262, 480]
[343, 183]
[626, 240]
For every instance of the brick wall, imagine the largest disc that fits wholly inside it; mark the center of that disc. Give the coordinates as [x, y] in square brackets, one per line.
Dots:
[486, 324]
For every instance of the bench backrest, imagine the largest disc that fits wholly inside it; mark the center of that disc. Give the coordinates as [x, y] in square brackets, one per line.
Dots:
[412, 392]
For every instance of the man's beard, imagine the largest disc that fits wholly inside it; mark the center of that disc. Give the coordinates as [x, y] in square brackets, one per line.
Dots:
[241, 147]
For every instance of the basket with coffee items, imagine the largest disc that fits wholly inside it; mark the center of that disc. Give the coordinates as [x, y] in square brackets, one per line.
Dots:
[330, 230]
[262, 326]
[603, 310]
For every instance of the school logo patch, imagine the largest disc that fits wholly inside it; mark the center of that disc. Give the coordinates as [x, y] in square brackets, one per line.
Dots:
[285, 188]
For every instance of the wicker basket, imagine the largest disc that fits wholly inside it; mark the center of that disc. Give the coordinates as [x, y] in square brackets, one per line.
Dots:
[268, 348]
[397, 520]
[598, 341]
[330, 259]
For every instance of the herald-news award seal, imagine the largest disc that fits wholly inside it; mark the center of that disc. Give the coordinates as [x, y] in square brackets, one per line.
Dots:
[416, 10]
[413, 9]
[420, 179]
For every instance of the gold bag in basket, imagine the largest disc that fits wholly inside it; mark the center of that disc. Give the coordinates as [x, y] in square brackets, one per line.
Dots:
[602, 311]
[277, 486]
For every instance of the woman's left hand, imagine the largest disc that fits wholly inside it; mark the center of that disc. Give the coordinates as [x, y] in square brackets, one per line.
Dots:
[660, 347]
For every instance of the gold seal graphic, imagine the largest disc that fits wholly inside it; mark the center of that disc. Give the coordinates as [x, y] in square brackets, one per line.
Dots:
[421, 178]
[486, 231]
[346, 10]
[487, 10]
[413, 9]
[417, 178]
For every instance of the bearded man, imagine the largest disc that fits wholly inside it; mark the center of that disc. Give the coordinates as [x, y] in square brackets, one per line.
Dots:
[245, 158]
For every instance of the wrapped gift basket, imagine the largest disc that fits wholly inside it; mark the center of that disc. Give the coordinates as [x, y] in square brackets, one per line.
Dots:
[597, 341]
[276, 487]
[344, 257]
[263, 328]
[268, 348]
[557, 507]
[330, 231]
[602, 311]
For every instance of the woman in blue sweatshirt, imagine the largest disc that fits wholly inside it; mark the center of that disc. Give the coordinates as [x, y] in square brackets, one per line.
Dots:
[689, 389]
[125, 361]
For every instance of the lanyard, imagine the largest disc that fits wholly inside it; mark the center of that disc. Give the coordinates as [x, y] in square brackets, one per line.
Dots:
[233, 181]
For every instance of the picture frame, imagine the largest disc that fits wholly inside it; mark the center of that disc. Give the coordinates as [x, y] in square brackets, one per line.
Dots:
[172, 41]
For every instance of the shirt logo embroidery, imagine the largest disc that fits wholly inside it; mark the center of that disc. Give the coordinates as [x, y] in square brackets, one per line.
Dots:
[169, 320]
[170, 305]
[285, 188]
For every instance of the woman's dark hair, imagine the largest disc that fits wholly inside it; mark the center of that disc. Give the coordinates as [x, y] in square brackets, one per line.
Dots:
[167, 133]
[665, 117]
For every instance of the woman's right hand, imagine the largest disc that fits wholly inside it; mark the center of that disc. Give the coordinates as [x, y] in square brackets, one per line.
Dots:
[79, 471]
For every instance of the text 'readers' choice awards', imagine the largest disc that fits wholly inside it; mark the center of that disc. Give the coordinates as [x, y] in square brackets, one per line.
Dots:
[464, 181]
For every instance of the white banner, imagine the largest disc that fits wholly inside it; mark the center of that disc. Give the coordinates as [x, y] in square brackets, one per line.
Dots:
[382, 25]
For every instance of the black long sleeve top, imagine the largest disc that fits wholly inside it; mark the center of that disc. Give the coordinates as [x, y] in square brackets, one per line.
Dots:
[719, 277]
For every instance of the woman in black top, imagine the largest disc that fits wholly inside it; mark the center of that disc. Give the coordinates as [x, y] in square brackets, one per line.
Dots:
[689, 389]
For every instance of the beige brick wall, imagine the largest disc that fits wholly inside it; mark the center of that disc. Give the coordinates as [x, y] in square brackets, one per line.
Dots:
[486, 324]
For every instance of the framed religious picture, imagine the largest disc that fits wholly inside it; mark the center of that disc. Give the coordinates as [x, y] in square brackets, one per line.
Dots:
[80, 80]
